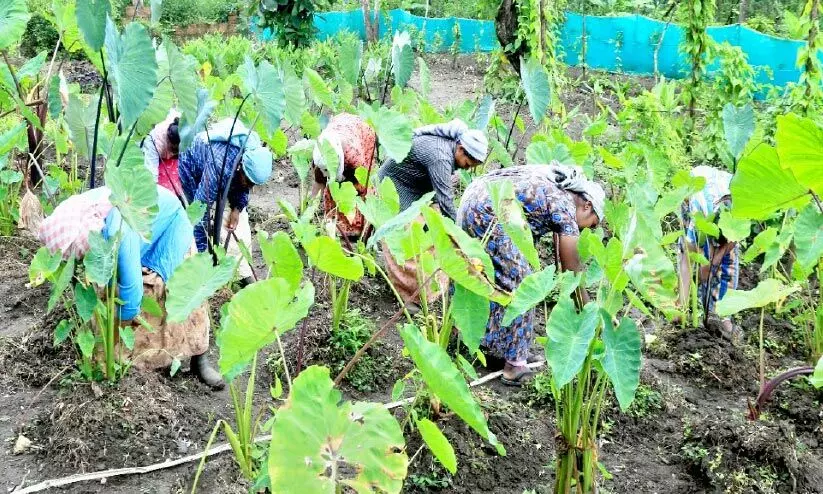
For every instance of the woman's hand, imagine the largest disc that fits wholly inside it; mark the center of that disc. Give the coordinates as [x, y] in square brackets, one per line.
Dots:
[234, 219]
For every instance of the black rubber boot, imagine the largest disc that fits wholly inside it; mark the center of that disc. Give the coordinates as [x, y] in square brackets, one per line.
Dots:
[205, 373]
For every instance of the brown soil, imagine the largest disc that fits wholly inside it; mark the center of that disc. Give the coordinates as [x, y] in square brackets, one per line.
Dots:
[702, 380]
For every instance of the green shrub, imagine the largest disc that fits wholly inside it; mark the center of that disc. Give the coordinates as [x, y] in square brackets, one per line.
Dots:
[40, 35]
[224, 54]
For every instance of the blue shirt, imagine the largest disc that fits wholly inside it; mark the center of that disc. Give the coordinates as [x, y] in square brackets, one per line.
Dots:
[199, 177]
[171, 236]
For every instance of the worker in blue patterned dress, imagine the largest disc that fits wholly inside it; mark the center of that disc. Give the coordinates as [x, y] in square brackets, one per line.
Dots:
[714, 279]
[555, 199]
[204, 178]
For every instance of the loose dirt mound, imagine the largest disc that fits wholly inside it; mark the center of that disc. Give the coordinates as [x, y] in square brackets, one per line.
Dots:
[527, 435]
[706, 355]
[737, 455]
[142, 420]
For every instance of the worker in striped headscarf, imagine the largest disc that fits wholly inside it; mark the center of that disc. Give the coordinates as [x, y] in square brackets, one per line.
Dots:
[436, 151]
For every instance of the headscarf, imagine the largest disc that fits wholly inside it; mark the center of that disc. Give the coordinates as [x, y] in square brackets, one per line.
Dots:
[317, 155]
[572, 179]
[257, 160]
[473, 141]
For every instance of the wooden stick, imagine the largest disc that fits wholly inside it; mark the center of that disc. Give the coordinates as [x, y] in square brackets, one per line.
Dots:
[119, 472]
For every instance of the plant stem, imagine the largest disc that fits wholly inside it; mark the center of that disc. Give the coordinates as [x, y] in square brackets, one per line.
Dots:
[762, 350]
[93, 153]
[514, 119]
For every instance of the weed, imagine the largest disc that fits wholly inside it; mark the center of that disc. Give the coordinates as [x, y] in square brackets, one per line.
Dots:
[647, 401]
[539, 390]
[355, 330]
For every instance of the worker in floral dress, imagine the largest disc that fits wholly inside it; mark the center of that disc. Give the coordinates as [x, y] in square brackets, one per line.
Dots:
[556, 199]
[354, 143]
[436, 152]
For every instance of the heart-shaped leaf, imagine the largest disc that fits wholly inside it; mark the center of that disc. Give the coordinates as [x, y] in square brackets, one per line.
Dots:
[321, 444]
[194, 281]
[568, 336]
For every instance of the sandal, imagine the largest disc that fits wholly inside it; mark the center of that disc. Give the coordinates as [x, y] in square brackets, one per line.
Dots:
[523, 375]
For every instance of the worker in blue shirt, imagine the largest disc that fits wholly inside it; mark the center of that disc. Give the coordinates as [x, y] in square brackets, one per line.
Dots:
[204, 178]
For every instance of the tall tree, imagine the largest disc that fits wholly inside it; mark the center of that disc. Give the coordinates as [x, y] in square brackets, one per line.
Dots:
[742, 11]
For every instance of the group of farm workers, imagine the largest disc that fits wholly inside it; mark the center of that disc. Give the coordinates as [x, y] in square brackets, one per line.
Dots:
[556, 199]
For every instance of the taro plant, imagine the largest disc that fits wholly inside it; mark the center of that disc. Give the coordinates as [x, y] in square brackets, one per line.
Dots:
[596, 345]
[788, 176]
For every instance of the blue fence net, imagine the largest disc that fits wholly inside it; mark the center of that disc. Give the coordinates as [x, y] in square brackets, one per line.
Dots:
[622, 43]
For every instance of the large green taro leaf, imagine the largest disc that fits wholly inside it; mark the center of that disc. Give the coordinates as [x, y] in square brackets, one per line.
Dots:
[134, 194]
[462, 257]
[265, 85]
[327, 255]
[510, 215]
[282, 257]
[351, 57]
[471, 315]
[381, 207]
[394, 130]
[99, 259]
[535, 81]
[800, 147]
[647, 265]
[13, 19]
[194, 281]
[255, 316]
[80, 119]
[43, 266]
[761, 187]
[533, 290]
[133, 67]
[91, 20]
[320, 92]
[446, 382]
[401, 221]
[621, 358]
[485, 112]
[439, 445]
[808, 236]
[320, 443]
[766, 292]
[402, 59]
[61, 282]
[190, 125]
[295, 95]
[568, 337]
[734, 229]
[738, 127]
[182, 74]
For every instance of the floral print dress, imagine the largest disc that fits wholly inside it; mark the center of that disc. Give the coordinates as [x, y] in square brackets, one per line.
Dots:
[548, 209]
[358, 141]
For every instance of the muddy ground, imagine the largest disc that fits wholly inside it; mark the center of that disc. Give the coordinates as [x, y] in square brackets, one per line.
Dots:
[687, 433]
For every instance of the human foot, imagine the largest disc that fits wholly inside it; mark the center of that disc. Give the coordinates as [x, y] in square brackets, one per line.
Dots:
[515, 375]
[205, 373]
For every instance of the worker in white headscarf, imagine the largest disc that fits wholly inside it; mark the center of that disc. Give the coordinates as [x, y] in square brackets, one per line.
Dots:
[436, 151]
[556, 199]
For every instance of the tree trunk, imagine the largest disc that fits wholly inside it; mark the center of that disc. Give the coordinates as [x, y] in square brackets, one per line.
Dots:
[742, 11]
[371, 32]
[811, 66]
[544, 28]
[505, 26]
